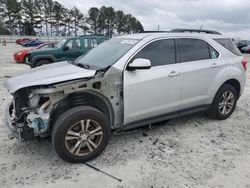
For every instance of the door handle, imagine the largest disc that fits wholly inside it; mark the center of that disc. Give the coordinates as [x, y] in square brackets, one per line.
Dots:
[173, 74]
[214, 65]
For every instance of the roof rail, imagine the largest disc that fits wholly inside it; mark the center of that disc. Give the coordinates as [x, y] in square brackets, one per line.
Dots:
[153, 31]
[194, 31]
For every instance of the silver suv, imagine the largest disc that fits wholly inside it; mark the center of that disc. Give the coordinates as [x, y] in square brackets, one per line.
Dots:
[125, 83]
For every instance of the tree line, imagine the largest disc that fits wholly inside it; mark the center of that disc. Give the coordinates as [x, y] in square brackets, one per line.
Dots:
[50, 18]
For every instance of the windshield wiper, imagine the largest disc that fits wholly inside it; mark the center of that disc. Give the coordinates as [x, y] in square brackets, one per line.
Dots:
[85, 66]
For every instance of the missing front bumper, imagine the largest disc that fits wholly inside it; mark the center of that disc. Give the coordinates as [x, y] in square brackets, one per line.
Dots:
[18, 131]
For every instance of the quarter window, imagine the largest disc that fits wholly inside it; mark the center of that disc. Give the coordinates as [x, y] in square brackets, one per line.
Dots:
[193, 50]
[161, 52]
[213, 53]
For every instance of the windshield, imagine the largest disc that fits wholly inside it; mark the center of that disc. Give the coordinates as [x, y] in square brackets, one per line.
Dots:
[106, 54]
[60, 44]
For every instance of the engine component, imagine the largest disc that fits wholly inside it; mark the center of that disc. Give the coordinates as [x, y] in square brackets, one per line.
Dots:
[34, 100]
[39, 126]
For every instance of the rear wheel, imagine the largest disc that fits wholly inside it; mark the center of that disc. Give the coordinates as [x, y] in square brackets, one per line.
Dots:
[80, 134]
[224, 102]
[42, 62]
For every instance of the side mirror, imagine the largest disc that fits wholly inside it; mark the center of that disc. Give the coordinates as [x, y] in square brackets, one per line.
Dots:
[139, 64]
[65, 48]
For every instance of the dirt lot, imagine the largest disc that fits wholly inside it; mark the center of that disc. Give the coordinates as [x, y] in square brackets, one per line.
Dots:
[192, 151]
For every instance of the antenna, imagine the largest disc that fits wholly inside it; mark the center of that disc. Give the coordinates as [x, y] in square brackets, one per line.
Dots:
[200, 28]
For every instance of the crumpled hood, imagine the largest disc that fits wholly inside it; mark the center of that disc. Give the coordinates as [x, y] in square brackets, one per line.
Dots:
[48, 74]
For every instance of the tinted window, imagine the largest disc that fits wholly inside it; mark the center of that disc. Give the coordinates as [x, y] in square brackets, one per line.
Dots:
[193, 50]
[228, 44]
[161, 52]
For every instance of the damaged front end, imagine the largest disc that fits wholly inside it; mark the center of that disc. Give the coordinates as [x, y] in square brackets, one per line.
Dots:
[27, 116]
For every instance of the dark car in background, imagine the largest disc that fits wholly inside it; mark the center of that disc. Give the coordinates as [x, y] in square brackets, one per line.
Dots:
[68, 49]
[245, 49]
[242, 43]
[32, 43]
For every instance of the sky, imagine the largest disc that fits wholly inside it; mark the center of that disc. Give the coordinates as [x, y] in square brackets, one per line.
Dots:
[230, 17]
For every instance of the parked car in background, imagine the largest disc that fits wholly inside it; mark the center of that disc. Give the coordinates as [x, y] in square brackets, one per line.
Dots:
[125, 83]
[67, 49]
[245, 49]
[243, 43]
[21, 56]
[32, 43]
[22, 40]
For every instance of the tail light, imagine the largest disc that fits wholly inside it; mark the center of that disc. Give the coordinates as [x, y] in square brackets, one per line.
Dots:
[244, 63]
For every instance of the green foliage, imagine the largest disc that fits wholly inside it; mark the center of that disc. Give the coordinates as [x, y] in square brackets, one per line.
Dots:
[30, 17]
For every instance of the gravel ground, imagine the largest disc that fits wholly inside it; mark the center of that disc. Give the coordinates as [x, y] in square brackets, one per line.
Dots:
[192, 151]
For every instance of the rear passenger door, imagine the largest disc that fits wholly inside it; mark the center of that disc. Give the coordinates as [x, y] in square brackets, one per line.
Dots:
[89, 43]
[199, 67]
[155, 91]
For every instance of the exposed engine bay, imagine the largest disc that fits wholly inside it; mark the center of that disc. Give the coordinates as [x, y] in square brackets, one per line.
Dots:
[34, 109]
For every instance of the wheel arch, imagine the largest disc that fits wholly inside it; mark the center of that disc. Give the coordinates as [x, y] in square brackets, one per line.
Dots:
[88, 98]
[229, 75]
[37, 58]
[235, 83]
[231, 81]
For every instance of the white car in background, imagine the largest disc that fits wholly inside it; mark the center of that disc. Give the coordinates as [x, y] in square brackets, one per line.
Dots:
[126, 82]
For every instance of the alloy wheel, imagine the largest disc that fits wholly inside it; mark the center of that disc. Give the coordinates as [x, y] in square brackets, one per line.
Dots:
[226, 102]
[83, 137]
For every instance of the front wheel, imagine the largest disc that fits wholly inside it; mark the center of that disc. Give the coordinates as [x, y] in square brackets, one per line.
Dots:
[224, 102]
[80, 134]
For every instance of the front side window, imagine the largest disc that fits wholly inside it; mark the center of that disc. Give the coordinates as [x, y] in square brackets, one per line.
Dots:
[74, 44]
[194, 50]
[161, 52]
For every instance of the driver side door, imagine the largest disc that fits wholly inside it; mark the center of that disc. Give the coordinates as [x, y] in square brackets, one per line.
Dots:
[72, 50]
[156, 91]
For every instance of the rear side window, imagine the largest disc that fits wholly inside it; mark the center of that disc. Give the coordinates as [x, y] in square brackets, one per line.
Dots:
[228, 44]
[161, 52]
[194, 50]
[93, 43]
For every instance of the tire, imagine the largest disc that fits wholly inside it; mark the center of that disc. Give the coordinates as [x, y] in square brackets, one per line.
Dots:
[66, 142]
[218, 110]
[42, 62]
